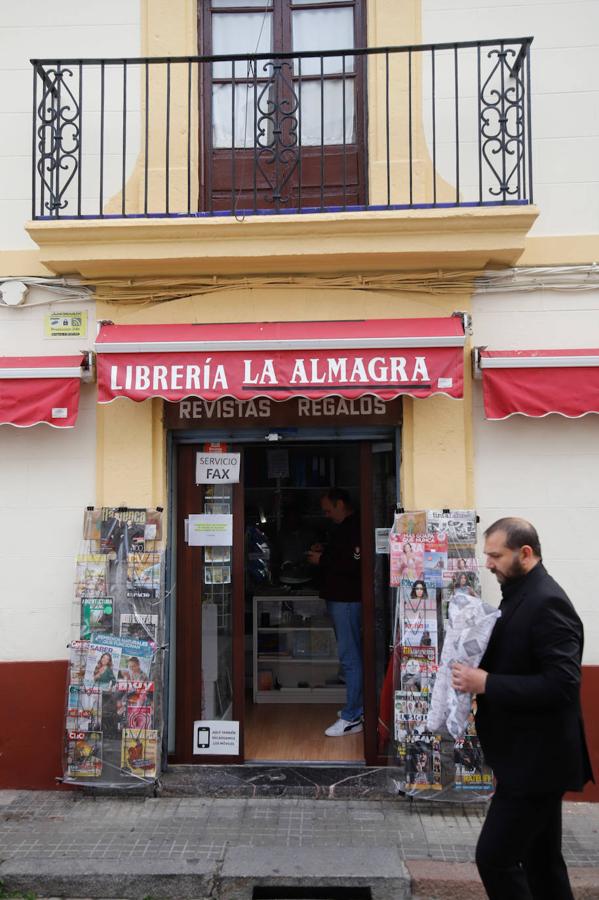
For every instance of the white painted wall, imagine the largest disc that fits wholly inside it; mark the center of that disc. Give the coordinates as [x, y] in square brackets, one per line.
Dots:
[543, 469]
[47, 478]
[37, 29]
[565, 101]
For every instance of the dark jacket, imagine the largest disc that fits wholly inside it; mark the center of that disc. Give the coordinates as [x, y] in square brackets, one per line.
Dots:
[529, 719]
[340, 567]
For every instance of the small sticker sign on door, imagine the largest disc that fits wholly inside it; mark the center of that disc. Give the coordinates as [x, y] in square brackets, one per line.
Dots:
[216, 738]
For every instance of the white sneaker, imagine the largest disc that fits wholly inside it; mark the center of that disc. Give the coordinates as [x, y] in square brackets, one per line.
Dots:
[339, 711]
[342, 726]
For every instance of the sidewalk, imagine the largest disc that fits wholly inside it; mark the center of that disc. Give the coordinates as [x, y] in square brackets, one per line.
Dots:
[59, 844]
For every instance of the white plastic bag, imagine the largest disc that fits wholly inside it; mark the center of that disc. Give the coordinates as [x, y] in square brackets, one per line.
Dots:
[471, 622]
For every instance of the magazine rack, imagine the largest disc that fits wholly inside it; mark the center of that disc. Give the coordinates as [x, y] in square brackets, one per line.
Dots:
[432, 558]
[114, 700]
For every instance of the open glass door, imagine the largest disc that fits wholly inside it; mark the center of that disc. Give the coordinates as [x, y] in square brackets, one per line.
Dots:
[208, 683]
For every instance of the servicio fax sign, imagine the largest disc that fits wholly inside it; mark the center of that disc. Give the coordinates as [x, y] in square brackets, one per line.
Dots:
[222, 468]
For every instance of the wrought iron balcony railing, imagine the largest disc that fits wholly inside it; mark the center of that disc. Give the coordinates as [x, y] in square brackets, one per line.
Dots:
[443, 125]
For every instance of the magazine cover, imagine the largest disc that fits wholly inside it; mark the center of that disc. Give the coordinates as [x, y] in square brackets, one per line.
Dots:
[134, 657]
[458, 524]
[461, 560]
[84, 708]
[78, 651]
[423, 762]
[462, 583]
[84, 754]
[411, 710]
[91, 575]
[139, 626]
[435, 559]
[420, 594]
[134, 704]
[96, 615]
[103, 660]
[139, 752]
[471, 773]
[406, 557]
[417, 631]
[93, 519]
[417, 672]
[122, 530]
[413, 522]
[143, 576]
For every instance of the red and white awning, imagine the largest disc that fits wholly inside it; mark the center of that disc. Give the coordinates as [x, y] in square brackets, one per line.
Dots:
[280, 360]
[40, 389]
[539, 382]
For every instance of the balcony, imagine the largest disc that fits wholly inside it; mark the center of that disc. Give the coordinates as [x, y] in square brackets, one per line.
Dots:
[387, 143]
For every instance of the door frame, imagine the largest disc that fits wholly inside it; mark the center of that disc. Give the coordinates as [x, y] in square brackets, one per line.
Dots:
[188, 663]
[282, 32]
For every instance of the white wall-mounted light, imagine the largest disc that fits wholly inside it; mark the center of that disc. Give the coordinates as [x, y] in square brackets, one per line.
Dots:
[13, 292]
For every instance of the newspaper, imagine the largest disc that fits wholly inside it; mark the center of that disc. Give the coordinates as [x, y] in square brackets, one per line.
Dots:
[470, 623]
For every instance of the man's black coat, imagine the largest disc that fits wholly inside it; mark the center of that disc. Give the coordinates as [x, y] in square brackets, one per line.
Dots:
[529, 719]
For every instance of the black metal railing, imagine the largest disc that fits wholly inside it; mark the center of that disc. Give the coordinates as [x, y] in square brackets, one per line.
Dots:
[384, 128]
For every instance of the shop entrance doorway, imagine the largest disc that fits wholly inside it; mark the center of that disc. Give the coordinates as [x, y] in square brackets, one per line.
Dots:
[255, 647]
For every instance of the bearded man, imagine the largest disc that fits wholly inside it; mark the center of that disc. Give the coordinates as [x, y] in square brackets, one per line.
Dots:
[528, 719]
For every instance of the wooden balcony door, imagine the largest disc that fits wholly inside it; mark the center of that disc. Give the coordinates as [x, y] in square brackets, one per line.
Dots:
[282, 133]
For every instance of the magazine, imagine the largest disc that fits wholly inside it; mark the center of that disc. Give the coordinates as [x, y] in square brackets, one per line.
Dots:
[91, 575]
[423, 762]
[78, 651]
[93, 523]
[134, 657]
[84, 754]
[140, 626]
[471, 772]
[418, 629]
[143, 576]
[84, 708]
[417, 672]
[413, 522]
[406, 556]
[103, 660]
[122, 530]
[411, 710]
[458, 524]
[96, 615]
[139, 752]
[135, 704]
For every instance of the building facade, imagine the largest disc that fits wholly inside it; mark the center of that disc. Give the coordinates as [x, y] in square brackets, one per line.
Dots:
[286, 199]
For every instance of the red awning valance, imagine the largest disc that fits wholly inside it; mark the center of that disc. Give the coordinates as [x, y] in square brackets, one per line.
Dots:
[40, 389]
[280, 360]
[540, 382]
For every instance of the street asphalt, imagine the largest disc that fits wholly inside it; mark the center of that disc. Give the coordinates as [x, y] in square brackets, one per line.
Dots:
[69, 844]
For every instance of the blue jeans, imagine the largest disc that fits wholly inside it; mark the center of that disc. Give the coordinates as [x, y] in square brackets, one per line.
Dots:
[347, 622]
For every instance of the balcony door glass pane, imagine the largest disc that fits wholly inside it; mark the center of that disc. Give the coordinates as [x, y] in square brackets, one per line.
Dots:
[323, 29]
[239, 33]
[330, 93]
[234, 4]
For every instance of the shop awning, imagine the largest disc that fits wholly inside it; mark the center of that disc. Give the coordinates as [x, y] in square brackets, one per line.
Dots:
[539, 382]
[36, 389]
[280, 360]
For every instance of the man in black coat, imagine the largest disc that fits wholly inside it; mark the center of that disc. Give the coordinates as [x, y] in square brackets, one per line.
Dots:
[528, 720]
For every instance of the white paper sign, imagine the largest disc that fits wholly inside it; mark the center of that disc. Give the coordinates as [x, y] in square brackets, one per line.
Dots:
[216, 738]
[217, 468]
[381, 537]
[206, 530]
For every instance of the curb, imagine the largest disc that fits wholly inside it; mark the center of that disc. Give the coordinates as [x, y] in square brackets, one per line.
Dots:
[433, 880]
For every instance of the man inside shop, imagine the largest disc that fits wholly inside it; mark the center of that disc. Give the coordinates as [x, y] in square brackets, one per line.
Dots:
[339, 564]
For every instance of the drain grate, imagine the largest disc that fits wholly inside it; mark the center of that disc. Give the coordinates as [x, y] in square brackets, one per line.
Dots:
[282, 892]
